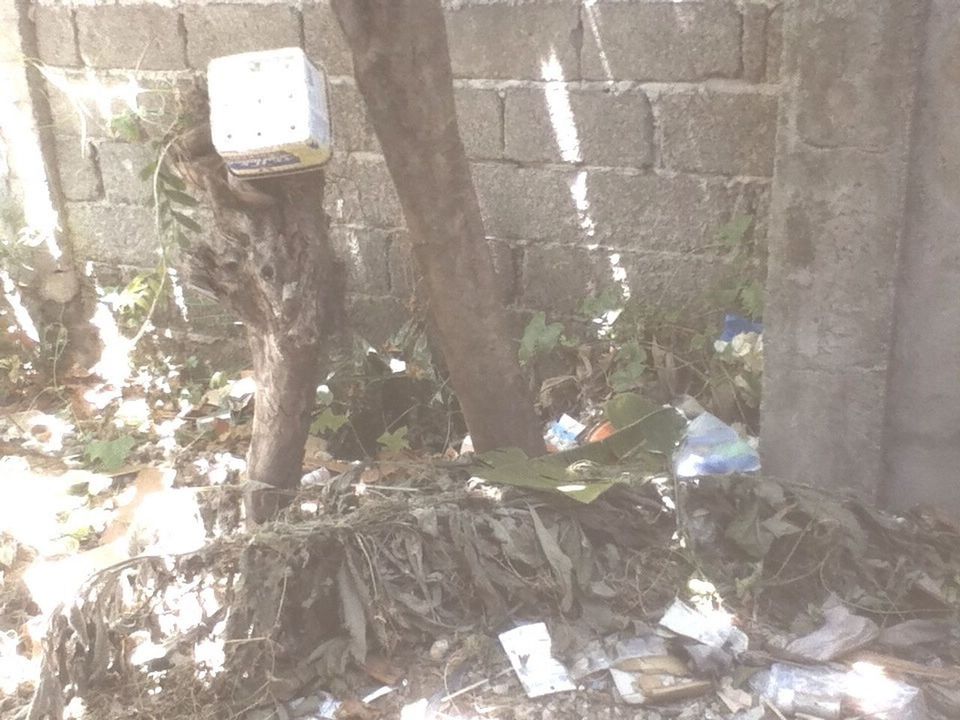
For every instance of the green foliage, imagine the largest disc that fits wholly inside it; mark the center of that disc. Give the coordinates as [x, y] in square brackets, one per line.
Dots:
[172, 200]
[126, 127]
[327, 421]
[627, 345]
[146, 290]
[630, 366]
[539, 338]
[742, 289]
[109, 455]
[395, 441]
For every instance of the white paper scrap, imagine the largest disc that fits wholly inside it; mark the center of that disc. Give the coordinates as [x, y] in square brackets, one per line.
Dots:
[528, 648]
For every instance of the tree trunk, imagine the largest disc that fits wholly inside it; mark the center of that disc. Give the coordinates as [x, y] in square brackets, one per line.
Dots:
[270, 259]
[402, 66]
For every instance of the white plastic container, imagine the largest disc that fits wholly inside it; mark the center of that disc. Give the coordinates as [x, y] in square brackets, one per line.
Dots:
[269, 112]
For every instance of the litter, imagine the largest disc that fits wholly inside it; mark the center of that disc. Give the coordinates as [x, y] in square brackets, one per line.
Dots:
[911, 633]
[828, 694]
[711, 447]
[529, 649]
[711, 627]
[562, 434]
[318, 706]
[734, 325]
[842, 633]
[646, 689]
[319, 477]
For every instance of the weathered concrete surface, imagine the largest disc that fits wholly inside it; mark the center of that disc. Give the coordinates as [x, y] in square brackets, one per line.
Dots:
[594, 127]
[56, 36]
[660, 41]
[514, 41]
[324, 41]
[723, 133]
[923, 438]
[835, 233]
[652, 181]
[145, 37]
[122, 234]
[216, 30]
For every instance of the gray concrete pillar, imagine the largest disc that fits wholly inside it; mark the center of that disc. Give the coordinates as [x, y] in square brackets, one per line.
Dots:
[923, 439]
[837, 220]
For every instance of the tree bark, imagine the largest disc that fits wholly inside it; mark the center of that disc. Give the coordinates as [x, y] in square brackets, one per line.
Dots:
[402, 67]
[269, 257]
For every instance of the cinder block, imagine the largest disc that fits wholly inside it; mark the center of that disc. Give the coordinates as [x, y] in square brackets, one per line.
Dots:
[145, 37]
[660, 41]
[120, 166]
[324, 40]
[661, 213]
[160, 103]
[113, 233]
[514, 41]
[217, 30]
[74, 112]
[364, 251]
[754, 42]
[478, 114]
[360, 191]
[405, 274]
[56, 40]
[774, 44]
[557, 278]
[77, 163]
[527, 203]
[376, 319]
[725, 133]
[563, 124]
[351, 125]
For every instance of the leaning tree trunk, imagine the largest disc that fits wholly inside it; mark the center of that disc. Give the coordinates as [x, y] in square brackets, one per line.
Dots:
[402, 66]
[269, 258]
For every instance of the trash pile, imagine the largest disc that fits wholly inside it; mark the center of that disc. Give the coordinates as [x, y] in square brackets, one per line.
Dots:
[644, 568]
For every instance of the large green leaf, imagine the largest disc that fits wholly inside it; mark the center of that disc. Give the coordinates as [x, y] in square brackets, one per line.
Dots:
[584, 473]
[649, 426]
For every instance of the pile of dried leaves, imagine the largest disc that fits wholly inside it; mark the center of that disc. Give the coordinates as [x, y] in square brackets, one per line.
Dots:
[348, 572]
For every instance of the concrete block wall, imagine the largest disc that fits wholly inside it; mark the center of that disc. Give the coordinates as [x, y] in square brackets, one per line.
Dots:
[599, 131]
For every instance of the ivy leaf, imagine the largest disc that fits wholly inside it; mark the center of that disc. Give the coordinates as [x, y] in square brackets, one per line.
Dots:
[109, 454]
[538, 338]
[181, 198]
[147, 172]
[751, 297]
[629, 376]
[172, 180]
[395, 441]
[733, 233]
[327, 421]
[187, 222]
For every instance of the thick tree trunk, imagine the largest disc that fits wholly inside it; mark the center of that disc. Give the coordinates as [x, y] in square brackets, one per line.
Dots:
[402, 66]
[269, 258]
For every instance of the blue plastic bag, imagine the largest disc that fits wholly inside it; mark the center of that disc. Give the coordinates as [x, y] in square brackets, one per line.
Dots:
[711, 447]
[734, 325]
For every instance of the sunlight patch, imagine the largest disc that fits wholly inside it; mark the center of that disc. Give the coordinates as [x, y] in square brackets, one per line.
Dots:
[20, 314]
[561, 113]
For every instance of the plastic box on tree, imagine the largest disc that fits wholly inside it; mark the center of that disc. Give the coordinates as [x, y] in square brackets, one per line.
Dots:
[269, 112]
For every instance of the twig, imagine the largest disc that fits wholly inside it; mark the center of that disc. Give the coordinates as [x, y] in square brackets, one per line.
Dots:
[474, 686]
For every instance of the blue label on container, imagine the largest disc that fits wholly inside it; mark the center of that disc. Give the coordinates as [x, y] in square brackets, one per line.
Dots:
[274, 160]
